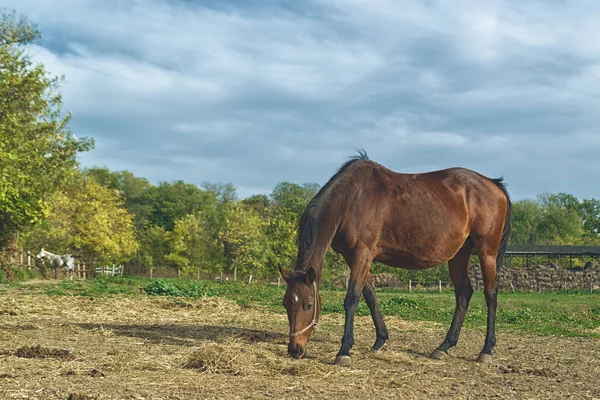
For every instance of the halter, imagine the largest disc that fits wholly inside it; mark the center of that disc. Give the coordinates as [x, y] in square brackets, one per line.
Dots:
[314, 323]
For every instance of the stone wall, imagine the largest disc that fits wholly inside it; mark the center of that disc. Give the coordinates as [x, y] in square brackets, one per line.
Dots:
[543, 277]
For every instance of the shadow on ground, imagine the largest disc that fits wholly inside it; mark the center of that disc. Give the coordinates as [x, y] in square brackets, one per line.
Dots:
[187, 335]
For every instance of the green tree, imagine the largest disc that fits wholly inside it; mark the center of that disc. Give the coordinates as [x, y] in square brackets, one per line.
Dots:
[560, 200]
[525, 218]
[590, 214]
[154, 246]
[132, 189]
[292, 196]
[89, 219]
[225, 192]
[281, 234]
[194, 245]
[37, 150]
[559, 226]
[172, 201]
[243, 239]
[560, 221]
[260, 202]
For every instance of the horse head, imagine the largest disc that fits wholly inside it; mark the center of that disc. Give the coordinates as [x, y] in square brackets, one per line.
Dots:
[303, 306]
[41, 254]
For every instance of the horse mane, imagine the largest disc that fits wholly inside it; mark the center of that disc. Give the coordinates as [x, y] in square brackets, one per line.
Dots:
[307, 227]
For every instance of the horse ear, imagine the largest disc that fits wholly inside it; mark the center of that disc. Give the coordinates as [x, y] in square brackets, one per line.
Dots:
[285, 273]
[311, 275]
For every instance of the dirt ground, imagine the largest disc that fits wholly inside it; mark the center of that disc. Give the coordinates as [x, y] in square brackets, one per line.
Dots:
[157, 348]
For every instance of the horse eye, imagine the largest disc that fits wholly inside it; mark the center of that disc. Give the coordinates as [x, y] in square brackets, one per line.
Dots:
[309, 306]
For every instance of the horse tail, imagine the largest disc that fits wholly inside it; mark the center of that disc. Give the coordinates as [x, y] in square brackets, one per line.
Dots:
[507, 227]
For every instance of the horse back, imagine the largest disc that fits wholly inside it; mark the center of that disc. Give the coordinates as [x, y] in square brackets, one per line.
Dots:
[413, 220]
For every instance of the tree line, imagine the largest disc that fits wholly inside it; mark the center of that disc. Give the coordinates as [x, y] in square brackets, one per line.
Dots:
[48, 200]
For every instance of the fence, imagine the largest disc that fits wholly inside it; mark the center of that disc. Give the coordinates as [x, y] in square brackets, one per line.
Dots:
[540, 277]
[28, 260]
[115, 270]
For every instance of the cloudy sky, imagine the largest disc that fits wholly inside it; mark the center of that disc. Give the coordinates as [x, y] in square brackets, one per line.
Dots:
[264, 91]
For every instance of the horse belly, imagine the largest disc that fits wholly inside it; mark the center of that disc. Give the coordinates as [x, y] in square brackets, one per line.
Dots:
[406, 260]
[419, 248]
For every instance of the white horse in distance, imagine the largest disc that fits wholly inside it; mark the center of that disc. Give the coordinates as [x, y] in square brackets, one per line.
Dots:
[57, 261]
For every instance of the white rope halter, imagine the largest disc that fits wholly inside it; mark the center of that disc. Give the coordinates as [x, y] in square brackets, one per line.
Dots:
[315, 322]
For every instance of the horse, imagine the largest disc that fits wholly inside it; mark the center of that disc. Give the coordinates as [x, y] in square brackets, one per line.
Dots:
[56, 261]
[367, 212]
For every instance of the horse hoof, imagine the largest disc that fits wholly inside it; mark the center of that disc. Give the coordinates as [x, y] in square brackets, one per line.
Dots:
[438, 354]
[343, 361]
[485, 358]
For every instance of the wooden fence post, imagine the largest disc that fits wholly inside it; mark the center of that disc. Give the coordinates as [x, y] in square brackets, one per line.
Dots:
[409, 285]
[440, 286]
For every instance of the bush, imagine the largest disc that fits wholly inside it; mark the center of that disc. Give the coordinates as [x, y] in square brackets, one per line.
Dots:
[161, 287]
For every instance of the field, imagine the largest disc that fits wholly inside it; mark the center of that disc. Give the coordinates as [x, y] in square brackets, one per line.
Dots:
[167, 339]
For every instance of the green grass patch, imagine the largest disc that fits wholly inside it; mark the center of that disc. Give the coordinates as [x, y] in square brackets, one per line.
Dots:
[560, 314]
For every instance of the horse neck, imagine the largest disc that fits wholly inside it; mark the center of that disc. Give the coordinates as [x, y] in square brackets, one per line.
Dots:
[48, 254]
[316, 258]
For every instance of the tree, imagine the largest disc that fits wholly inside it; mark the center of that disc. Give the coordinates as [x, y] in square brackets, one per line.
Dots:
[590, 214]
[225, 192]
[131, 188]
[89, 219]
[281, 234]
[525, 218]
[559, 226]
[243, 238]
[560, 200]
[260, 202]
[37, 150]
[172, 201]
[154, 245]
[293, 196]
[194, 245]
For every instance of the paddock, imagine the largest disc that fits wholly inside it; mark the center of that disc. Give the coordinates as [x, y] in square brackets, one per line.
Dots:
[122, 346]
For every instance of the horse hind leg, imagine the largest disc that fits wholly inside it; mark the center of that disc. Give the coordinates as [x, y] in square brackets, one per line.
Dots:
[490, 291]
[458, 267]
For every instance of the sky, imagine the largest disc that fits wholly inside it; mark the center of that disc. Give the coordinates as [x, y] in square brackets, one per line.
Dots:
[259, 92]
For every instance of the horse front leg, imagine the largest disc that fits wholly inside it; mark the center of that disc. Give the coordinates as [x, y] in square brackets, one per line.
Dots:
[359, 264]
[371, 300]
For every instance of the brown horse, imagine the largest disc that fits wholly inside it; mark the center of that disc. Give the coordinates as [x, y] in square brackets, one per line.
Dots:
[368, 213]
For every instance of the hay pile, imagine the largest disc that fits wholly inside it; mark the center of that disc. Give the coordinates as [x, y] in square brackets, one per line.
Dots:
[239, 358]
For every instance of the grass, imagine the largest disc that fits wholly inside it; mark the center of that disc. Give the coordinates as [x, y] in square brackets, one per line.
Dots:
[548, 313]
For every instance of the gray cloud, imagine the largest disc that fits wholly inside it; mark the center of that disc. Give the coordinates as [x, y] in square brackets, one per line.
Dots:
[286, 90]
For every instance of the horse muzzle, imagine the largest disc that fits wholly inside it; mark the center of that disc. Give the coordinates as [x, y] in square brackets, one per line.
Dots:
[296, 351]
